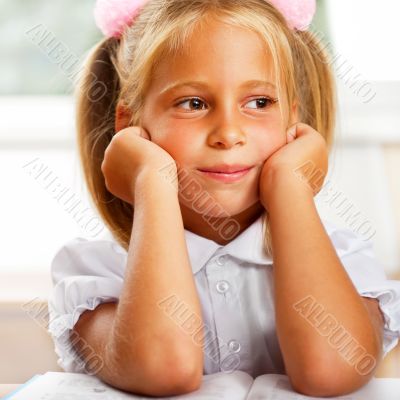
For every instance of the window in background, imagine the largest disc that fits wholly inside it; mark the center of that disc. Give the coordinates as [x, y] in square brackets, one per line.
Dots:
[366, 34]
[25, 67]
[45, 202]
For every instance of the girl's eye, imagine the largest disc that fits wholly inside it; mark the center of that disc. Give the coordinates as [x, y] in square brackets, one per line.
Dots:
[196, 103]
[264, 102]
[193, 101]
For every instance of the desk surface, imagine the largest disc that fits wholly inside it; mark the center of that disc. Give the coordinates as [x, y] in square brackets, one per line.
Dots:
[7, 388]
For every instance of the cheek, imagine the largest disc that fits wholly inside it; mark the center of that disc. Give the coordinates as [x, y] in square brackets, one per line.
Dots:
[177, 142]
[268, 141]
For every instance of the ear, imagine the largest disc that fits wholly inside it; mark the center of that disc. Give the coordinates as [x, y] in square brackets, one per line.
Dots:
[122, 117]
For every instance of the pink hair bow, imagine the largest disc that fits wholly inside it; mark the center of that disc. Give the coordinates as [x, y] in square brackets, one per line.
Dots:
[112, 16]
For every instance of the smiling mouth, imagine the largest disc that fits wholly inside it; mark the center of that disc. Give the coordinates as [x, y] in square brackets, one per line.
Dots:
[226, 168]
[226, 177]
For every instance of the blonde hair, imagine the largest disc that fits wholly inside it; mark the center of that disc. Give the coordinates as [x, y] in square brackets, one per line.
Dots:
[125, 66]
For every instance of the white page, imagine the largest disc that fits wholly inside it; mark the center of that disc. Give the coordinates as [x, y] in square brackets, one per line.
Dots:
[222, 385]
[277, 387]
[71, 386]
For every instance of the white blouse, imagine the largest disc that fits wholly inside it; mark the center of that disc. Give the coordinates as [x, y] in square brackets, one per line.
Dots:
[235, 287]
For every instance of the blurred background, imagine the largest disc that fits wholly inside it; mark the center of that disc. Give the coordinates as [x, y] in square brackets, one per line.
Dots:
[44, 202]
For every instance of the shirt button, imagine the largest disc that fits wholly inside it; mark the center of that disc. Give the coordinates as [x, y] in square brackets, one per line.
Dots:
[221, 260]
[222, 286]
[234, 346]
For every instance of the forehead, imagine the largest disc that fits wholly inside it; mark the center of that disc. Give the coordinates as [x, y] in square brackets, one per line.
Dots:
[219, 53]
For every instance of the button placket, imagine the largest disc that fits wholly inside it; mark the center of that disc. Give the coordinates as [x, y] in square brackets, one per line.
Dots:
[222, 286]
[228, 322]
[234, 346]
[221, 260]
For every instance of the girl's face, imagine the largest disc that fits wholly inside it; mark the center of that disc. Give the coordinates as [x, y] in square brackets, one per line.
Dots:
[224, 111]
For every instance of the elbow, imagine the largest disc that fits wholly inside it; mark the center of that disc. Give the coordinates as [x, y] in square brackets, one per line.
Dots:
[327, 382]
[162, 376]
[175, 368]
[182, 378]
[170, 378]
[315, 386]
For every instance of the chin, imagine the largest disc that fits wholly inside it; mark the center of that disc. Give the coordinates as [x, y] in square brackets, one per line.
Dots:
[218, 205]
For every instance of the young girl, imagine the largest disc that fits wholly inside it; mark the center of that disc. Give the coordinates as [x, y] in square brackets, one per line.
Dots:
[204, 130]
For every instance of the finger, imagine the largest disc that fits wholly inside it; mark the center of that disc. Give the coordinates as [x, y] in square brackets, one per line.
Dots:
[136, 130]
[130, 130]
[291, 134]
[144, 134]
[299, 129]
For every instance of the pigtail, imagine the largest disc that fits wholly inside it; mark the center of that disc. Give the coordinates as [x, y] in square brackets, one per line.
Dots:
[316, 84]
[97, 94]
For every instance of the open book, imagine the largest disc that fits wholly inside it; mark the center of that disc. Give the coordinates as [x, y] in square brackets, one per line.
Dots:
[237, 385]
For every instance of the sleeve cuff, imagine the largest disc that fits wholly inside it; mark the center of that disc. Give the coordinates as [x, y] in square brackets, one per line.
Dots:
[389, 303]
[60, 327]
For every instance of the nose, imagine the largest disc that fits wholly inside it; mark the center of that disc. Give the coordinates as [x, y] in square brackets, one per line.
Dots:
[226, 134]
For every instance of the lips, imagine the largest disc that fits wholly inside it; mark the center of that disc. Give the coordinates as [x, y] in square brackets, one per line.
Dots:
[226, 173]
[225, 168]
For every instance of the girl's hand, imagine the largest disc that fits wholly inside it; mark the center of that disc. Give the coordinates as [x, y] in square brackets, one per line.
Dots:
[129, 153]
[302, 161]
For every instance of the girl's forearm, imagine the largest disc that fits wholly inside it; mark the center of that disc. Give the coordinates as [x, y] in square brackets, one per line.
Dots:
[158, 277]
[313, 297]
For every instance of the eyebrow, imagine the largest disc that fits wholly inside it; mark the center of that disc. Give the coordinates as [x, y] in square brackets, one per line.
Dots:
[201, 85]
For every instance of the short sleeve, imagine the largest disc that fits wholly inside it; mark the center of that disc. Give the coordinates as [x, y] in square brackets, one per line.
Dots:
[369, 278]
[84, 273]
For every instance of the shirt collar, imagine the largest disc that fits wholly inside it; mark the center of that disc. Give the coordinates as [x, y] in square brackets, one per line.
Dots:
[247, 246]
